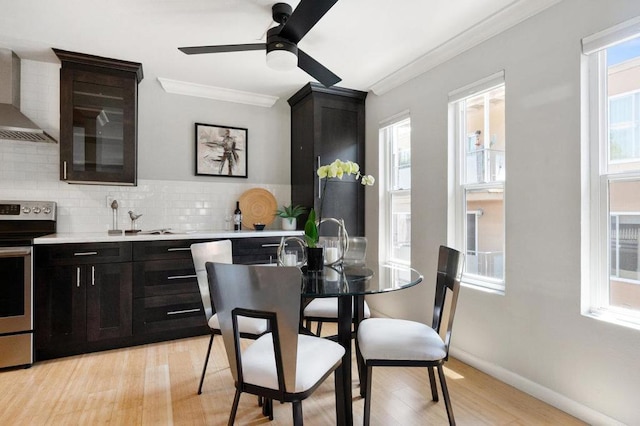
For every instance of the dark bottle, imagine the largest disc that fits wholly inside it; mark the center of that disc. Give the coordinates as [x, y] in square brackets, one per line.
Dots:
[237, 217]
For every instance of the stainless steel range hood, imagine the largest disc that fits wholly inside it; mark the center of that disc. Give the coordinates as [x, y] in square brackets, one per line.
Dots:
[14, 125]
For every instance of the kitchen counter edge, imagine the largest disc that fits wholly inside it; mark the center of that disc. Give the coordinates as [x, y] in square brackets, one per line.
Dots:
[104, 237]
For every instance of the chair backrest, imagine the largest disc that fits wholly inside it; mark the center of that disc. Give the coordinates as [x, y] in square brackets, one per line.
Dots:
[261, 289]
[214, 251]
[450, 266]
[357, 250]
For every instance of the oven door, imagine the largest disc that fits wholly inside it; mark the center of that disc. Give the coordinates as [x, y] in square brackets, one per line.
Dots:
[15, 290]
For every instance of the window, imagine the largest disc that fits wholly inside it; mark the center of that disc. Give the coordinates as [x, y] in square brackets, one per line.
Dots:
[613, 258]
[395, 143]
[479, 137]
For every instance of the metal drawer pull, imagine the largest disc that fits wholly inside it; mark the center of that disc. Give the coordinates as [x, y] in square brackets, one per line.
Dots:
[179, 277]
[78, 277]
[86, 253]
[184, 311]
[93, 275]
[179, 248]
[271, 245]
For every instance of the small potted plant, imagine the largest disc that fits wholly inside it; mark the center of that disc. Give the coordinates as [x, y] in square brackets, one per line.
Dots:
[289, 215]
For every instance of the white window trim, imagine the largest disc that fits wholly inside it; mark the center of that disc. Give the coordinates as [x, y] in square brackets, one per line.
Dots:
[482, 283]
[596, 232]
[385, 187]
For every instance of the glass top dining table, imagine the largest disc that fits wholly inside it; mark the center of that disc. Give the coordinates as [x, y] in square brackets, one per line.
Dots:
[350, 284]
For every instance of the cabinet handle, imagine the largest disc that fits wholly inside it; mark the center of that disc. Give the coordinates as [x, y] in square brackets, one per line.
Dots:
[178, 248]
[64, 170]
[319, 180]
[86, 253]
[183, 311]
[93, 275]
[179, 277]
[270, 245]
[78, 277]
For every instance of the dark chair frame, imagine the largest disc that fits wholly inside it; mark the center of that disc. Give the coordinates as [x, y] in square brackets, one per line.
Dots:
[270, 394]
[450, 267]
[273, 299]
[204, 293]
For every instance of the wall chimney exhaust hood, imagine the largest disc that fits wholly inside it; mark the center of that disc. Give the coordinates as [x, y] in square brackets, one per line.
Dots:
[13, 124]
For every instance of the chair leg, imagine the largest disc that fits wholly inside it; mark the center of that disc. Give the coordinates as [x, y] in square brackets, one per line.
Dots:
[206, 362]
[297, 413]
[432, 380]
[367, 396]
[234, 408]
[445, 395]
[267, 408]
[319, 329]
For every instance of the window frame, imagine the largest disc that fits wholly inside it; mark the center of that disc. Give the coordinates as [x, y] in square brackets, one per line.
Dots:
[459, 139]
[388, 192]
[596, 256]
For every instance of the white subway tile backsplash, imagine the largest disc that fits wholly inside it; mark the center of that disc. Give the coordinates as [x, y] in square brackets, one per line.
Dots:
[30, 171]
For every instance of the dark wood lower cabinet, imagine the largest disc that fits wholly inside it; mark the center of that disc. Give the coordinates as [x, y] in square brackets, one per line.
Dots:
[91, 297]
[82, 308]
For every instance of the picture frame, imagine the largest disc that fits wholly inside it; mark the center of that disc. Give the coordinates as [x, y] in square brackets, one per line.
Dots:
[221, 150]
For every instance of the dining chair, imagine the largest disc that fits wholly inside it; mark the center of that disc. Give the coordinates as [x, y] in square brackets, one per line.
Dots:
[392, 342]
[281, 365]
[218, 251]
[325, 309]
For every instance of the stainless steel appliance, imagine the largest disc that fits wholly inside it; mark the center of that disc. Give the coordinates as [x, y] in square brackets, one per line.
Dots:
[20, 223]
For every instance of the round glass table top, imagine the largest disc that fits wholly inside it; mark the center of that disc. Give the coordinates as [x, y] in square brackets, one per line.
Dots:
[358, 279]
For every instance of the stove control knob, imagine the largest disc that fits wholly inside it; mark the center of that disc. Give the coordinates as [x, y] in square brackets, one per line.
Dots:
[36, 210]
[46, 210]
[26, 210]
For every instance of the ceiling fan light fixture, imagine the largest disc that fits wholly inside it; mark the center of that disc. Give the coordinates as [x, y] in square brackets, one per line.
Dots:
[282, 60]
[282, 55]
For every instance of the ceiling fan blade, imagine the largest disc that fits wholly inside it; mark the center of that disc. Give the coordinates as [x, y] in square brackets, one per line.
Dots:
[304, 17]
[195, 50]
[316, 70]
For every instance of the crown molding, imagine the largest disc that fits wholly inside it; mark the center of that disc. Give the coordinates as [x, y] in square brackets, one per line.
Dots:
[217, 93]
[502, 20]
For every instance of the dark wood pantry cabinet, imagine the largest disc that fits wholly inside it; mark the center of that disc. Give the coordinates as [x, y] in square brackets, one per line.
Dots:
[327, 124]
[98, 119]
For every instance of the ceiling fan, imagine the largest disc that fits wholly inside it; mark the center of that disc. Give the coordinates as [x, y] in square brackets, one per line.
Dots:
[282, 41]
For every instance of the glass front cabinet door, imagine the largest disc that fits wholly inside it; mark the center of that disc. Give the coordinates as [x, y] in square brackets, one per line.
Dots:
[98, 119]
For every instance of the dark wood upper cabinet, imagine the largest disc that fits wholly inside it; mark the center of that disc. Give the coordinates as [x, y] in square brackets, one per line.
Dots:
[98, 119]
[327, 124]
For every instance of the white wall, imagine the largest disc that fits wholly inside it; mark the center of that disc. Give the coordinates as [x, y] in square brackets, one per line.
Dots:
[169, 194]
[534, 335]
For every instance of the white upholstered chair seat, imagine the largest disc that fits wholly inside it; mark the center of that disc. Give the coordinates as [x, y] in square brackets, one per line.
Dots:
[327, 307]
[245, 324]
[396, 339]
[315, 357]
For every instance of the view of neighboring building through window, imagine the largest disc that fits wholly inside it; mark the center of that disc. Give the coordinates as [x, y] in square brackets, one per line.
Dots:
[480, 176]
[395, 144]
[615, 177]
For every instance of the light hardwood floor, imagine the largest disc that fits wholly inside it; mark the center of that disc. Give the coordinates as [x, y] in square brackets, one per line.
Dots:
[156, 385]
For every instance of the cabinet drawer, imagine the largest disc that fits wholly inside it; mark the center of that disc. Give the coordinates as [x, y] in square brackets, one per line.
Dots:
[255, 250]
[161, 314]
[164, 278]
[82, 254]
[165, 249]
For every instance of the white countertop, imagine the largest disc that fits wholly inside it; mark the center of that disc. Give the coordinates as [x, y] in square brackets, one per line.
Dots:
[104, 237]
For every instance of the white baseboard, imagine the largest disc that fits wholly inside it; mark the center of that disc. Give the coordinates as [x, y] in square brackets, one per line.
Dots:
[542, 393]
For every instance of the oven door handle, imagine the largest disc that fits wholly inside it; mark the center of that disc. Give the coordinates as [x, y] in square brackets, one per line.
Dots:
[14, 252]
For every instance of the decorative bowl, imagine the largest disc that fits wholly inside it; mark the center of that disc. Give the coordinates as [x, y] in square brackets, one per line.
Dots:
[258, 226]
